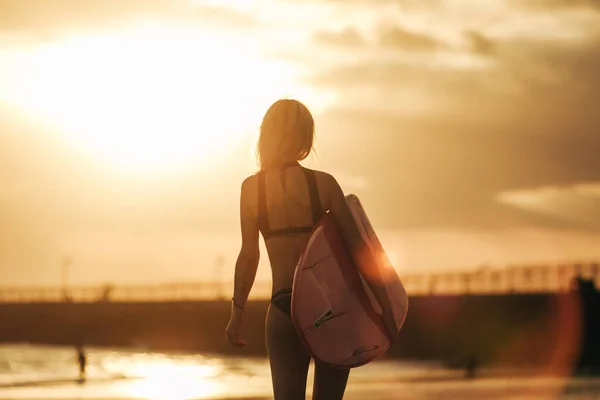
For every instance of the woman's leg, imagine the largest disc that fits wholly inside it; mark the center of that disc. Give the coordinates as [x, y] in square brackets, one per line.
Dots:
[287, 357]
[330, 383]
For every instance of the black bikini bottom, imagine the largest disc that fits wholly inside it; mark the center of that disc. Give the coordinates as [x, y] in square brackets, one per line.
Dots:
[282, 299]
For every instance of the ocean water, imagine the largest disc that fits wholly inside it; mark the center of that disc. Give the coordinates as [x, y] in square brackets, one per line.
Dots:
[49, 372]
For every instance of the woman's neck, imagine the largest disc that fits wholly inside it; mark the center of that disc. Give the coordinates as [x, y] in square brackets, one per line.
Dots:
[284, 165]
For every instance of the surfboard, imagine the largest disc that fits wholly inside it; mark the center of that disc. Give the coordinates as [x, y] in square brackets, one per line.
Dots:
[334, 311]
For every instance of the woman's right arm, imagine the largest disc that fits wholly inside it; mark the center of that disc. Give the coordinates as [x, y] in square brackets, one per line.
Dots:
[245, 266]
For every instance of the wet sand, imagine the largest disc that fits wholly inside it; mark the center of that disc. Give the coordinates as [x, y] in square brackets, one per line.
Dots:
[448, 389]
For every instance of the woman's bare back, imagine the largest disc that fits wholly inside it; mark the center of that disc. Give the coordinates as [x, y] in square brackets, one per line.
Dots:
[288, 205]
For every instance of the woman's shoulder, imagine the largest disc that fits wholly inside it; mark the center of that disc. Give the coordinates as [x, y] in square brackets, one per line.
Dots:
[249, 183]
[249, 179]
[325, 178]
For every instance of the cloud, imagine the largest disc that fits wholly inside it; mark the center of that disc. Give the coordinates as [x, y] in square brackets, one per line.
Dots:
[553, 5]
[385, 36]
[347, 37]
[401, 38]
[577, 204]
[434, 171]
[537, 84]
[447, 130]
[47, 18]
[505, 71]
[479, 43]
[530, 114]
[528, 119]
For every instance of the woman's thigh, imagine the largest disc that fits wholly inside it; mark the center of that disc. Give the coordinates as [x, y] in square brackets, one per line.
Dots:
[287, 357]
[330, 383]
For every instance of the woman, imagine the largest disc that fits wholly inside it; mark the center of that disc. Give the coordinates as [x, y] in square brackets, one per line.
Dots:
[283, 201]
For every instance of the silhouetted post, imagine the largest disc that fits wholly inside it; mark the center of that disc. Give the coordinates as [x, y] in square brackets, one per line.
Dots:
[594, 271]
[544, 279]
[577, 269]
[65, 278]
[106, 292]
[482, 277]
[219, 263]
[467, 282]
[526, 279]
[562, 277]
[510, 275]
[432, 284]
[494, 279]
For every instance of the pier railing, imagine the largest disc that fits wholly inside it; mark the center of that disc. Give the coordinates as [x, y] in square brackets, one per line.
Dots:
[512, 279]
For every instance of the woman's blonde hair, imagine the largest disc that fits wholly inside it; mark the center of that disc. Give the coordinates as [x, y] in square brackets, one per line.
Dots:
[287, 134]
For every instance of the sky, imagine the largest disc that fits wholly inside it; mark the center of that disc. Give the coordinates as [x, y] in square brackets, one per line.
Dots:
[468, 128]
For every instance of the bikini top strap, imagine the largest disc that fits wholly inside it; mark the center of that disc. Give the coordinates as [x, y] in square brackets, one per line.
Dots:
[313, 191]
[263, 217]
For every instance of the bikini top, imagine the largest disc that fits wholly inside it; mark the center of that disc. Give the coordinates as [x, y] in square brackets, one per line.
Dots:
[263, 216]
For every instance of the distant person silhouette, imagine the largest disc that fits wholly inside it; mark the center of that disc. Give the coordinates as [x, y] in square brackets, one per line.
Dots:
[471, 366]
[276, 203]
[82, 363]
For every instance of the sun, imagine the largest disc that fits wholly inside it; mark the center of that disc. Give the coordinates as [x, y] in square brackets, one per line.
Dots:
[150, 97]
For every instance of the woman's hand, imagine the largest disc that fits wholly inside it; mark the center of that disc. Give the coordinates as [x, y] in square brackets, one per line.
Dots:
[234, 330]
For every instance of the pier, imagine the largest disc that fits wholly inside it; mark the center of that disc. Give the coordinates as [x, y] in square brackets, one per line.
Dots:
[484, 280]
[546, 316]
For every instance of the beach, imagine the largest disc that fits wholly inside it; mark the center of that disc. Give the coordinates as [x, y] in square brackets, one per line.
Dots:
[29, 372]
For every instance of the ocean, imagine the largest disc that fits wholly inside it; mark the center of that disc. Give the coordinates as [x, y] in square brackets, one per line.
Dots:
[51, 372]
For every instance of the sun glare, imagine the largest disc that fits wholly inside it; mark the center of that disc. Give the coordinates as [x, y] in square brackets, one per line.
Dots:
[151, 97]
[175, 382]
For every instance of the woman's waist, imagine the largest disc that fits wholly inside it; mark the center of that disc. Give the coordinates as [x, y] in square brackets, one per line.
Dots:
[282, 275]
[285, 286]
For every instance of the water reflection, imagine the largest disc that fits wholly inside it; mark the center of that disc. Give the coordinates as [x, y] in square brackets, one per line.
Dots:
[165, 377]
[33, 372]
[37, 372]
[172, 386]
